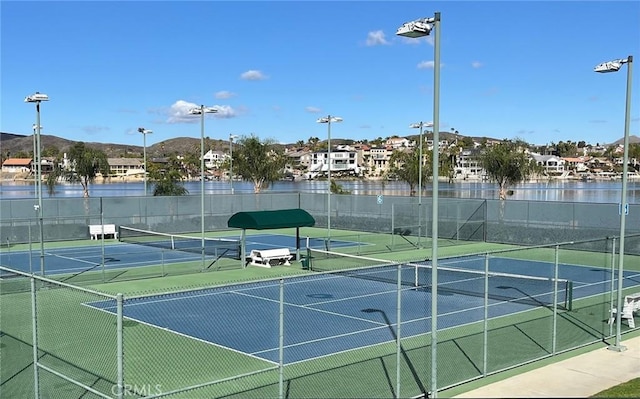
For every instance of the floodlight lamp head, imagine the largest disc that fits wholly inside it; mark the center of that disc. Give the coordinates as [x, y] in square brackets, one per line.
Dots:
[195, 111]
[611, 66]
[415, 29]
[36, 98]
[421, 124]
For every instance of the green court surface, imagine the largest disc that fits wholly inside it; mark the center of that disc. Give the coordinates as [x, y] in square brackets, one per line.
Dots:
[79, 341]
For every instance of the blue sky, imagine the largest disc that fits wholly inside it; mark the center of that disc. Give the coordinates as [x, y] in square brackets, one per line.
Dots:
[509, 69]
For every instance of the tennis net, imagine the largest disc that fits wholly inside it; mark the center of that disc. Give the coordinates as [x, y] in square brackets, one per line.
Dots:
[531, 290]
[218, 247]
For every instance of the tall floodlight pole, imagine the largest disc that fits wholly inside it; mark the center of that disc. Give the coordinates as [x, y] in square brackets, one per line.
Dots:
[144, 154]
[37, 98]
[420, 125]
[419, 28]
[614, 66]
[35, 144]
[201, 110]
[231, 138]
[328, 120]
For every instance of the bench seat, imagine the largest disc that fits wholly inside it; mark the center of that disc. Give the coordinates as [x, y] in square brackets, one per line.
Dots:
[97, 230]
[270, 257]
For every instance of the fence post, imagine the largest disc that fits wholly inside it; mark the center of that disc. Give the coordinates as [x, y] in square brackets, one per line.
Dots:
[120, 354]
[554, 333]
[485, 328]
[34, 337]
[281, 342]
[399, 322]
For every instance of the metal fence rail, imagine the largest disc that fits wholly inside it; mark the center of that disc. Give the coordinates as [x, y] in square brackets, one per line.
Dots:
[322, 334]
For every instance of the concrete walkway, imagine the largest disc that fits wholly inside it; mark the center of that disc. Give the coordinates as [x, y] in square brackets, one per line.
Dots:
[579, 377]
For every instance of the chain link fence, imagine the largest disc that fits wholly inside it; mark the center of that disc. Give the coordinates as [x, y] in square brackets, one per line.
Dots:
[351, 327]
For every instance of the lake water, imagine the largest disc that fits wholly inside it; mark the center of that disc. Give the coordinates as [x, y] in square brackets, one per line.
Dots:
[555, 190]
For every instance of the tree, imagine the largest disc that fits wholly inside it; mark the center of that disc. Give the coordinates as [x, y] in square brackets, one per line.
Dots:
[85, 164]
[405, 165]
[507, 164]
[260, 162]
[166, 179]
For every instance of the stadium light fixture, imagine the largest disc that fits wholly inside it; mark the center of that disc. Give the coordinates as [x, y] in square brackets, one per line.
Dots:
[202, 110]
[416, 29]
[144, 154]
[605, 67]
[37, 98]
[329, 120]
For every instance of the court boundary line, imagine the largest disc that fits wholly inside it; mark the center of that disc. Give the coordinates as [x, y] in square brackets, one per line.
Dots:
[148, 324]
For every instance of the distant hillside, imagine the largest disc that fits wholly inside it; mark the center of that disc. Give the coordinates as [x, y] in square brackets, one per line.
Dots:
[632, 140]
[13, 144]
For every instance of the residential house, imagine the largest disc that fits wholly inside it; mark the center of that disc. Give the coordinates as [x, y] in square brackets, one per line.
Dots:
[340, 162]
[17, 165]
[551, 164]
[468, 165]
[126, 167]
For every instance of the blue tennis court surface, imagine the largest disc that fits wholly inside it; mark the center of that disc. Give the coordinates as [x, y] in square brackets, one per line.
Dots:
[324, 314]
[121, 255]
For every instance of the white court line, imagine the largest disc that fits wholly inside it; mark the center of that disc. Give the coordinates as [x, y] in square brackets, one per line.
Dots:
[88, 304]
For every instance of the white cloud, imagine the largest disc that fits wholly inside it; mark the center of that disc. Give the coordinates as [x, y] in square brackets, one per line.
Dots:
[313, 110]
[224, 111]
[223, 94]
[376, 38]
[253, 75]
[426, 65]
[179, 112]
[476, 64]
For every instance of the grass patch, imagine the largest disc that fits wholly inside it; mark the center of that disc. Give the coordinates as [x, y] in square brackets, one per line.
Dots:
[629, 389]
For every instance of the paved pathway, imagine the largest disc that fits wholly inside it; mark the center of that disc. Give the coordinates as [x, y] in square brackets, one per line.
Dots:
[580, 376]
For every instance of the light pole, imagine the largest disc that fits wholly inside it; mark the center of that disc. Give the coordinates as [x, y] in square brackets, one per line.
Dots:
[37, 98]
[201, 110]
[231, 138]
[35, 146]
[144, 152]
[419, 28]
[614, 66]
[420, 125]
[328, 120]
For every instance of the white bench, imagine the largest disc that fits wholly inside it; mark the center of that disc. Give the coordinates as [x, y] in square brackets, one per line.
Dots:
[97, 230]
[631, 305]
[270, 257]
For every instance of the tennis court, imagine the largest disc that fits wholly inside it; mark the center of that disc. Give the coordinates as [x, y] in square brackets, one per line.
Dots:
[147, 251]
[329, 313]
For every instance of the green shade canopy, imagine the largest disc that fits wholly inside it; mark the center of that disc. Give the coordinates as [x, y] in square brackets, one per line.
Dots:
[263, 220]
